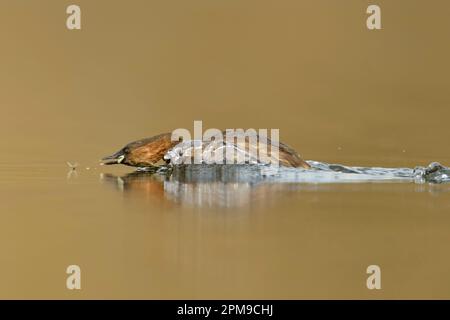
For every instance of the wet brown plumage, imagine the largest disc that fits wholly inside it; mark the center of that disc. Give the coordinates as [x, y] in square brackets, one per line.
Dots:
[148, 152]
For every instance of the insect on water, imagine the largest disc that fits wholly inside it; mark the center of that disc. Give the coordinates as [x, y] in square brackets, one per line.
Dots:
[72, 171]
[72, 166]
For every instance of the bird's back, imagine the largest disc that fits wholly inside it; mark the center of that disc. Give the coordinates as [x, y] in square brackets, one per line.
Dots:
[236, 148]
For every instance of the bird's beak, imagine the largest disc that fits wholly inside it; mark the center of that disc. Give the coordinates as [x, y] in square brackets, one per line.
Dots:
[113, 159]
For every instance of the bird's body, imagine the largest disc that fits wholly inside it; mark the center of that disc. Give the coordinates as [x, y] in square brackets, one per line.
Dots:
[243, 148]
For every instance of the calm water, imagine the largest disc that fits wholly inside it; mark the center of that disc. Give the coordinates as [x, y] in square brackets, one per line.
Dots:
[338, 92]
[221, 232]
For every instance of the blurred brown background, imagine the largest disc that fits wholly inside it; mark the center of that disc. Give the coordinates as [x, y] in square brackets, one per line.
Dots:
[337, 91]
[310, 68]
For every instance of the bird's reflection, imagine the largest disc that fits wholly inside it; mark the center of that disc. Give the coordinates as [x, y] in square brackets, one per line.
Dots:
[203, 186]
[237, 186]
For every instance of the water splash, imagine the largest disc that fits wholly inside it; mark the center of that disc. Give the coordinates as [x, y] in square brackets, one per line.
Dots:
[434, 173]
[320, 172]
[230, 186]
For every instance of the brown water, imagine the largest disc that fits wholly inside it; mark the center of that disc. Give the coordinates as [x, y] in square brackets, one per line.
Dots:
[338, 93]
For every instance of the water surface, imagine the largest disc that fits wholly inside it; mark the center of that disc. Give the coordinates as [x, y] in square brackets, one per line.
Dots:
[211, 232]
[338, 92]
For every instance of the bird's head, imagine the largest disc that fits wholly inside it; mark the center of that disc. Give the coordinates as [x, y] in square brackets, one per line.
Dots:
[142, 153]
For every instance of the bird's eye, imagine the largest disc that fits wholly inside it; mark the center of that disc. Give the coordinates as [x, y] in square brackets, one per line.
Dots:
[120, 159]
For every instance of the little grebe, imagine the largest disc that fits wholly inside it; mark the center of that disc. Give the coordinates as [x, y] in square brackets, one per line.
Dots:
[148, 152]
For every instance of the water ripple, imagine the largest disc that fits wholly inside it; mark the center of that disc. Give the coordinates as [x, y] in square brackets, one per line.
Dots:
[320, 172]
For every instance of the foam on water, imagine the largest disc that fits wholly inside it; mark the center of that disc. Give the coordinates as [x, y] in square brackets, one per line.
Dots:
[230, 186]
[320, 172]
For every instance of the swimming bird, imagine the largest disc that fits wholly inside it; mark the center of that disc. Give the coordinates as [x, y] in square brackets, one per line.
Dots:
[254, 148]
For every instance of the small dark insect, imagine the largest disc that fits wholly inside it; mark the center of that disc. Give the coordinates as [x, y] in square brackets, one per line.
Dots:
[73, 166]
